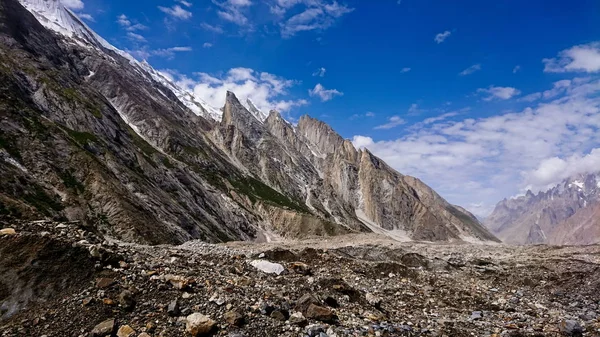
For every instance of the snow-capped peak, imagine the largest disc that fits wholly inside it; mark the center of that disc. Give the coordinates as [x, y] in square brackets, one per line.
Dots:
[56, 17]
[261, 116]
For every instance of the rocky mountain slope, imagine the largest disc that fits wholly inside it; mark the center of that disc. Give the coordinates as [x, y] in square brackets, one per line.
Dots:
[90, 134]
[355, 285]
[565, 214]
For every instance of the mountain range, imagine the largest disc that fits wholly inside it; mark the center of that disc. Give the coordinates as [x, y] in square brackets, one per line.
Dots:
[91, 134]
[568, 213]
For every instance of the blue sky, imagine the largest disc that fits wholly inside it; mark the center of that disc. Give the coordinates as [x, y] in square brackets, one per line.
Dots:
[481, 100]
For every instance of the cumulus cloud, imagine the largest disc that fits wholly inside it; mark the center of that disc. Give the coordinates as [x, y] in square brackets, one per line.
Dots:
[86, 16]
[207, 45]
[233, 11]
[176, 12]
[441, 37]
[393, 122]
[470, 70]
[267, 91]
[126, 23]
[405, 70]
[501, 93]
[324, 94]
[581, 58]
[483, 160]
[320, 72]
[553, 170]
[136, 37]
[73, 4]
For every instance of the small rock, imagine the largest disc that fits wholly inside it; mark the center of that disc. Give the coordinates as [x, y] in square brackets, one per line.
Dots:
[105, 328]
[297, 318]
[278, 315]
[7, 232]
[86, 301]
[373, 300]
[319, 313]
[301, 268]
[150, 327]
[105, 282]
[173, 309]
[178, 282]
[234, 318]
[127, 300]
[108, 301]
[475, 315]
[125, 331]
[199, 325]
[305, 301]
[143, 334]
[570, 327]
[268, 267]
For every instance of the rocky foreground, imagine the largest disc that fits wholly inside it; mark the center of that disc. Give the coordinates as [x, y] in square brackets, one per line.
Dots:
[57, 279]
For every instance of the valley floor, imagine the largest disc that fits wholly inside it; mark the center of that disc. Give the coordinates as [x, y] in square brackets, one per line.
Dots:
[61, 280]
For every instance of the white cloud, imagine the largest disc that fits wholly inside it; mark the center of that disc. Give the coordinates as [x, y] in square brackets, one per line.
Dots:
[324, 94]
[315, 15]
[483, 160]
[185, 3]
[470, 70]
[126, 23]
[405, 70]
[581, 58]
[502, 93]
[516, 69]
[267, 91]
[211, 28]
[393, 122]
[207, 45]
[177, 12]
[441, 37]
[320, 72]
[232, 11]
[370, 114]
[73, 4]
[553, 170]
[136, 37]
[86, 16]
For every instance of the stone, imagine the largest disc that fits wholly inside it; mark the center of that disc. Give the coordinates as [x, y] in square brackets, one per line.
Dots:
[198, 324]
[178, 282]
[319, 313]
[268, 267]
[373, 300]
[305, 301]
[570, 327]
[105, 328]
[105, 282]
[234, 318]
[173, 309]
[475, 315]
[143, 334]
[297, 318]
[86, 301]
[278, 315]
[301, 268]
[7, 232]
[125, 331]
[150, 327]
[127, 300]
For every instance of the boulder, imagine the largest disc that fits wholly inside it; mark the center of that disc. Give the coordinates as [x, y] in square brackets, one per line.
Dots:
[198, 325]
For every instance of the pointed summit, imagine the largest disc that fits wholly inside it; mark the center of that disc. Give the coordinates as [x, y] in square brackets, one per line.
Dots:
[255, 111]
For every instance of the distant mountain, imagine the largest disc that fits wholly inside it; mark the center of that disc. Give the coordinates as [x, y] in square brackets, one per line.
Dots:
[89, 133]
[565, 214]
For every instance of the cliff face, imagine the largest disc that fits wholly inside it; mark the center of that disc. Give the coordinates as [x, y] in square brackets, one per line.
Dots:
[88, 133]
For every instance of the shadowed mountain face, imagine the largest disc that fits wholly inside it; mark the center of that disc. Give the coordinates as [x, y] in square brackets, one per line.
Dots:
[88, 133]
[565, 214]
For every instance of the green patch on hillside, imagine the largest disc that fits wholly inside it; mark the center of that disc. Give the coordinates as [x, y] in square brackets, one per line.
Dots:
[71, 182]
[257, 190]
[81, 138]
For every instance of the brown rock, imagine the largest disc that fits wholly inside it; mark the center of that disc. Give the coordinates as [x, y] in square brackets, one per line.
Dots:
[305, 301]
[105, 282]
[301, 268]
[108, 301]
[105, 328]
[125, 331]
[319, 313]
[234, 318]
[126, 300]
[143, 334]
[199, 325]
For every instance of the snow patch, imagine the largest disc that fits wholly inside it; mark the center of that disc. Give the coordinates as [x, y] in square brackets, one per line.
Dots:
[7, 158]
